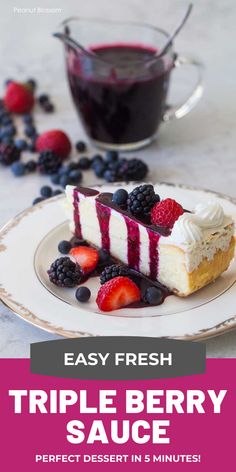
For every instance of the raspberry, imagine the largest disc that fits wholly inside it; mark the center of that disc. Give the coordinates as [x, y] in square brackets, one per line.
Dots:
[166, 213]
[55, 140]
[18, 98]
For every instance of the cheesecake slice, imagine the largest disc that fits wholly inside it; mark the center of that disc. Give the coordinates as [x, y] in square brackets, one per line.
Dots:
[198, 248]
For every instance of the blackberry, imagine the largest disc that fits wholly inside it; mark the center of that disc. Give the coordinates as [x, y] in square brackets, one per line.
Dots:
[9, 154]
[133, 169]
[142, 199]
[48, 162]
[112, 271]
[65, 273]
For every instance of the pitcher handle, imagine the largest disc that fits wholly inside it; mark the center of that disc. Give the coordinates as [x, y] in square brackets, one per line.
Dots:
[177, 112]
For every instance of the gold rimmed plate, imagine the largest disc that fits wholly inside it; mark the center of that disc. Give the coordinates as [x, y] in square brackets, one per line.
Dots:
[28, 292]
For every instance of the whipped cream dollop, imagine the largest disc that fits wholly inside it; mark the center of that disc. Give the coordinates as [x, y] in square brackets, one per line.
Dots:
[210, 215]
[189, 227]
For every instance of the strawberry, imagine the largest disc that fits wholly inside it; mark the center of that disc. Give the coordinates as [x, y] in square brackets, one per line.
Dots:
[18, 98]
[86, 257]
[166, 213]
[116, 293]
[56, 141]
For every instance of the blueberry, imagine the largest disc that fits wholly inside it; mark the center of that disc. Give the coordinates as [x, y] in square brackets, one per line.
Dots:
[32, 83]
[48, 107]
[80, 146]
[110, 175]
[99, 169]
[30, 131]
[96, 158]
[38, 200]
[64, 247]
[28, 119]
[120, 196]
[104, 257]
[6, 120]
[7, 140]
[46, 191]
[65, 180]
[75, 175]
[73, 166]
[18, 169]
[9, 131]
[111, 156]
[3, 113]
[43, 98]
[153, 296]
[64, 170]
[55, 179]
[56, 192]
[84, 163]
[114, 166]
[21, 144]
[83, 294]
[31, 147]
[30, 166]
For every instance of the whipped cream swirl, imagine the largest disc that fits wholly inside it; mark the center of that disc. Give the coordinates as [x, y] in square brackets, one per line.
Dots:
[189, 227]
[210, 215]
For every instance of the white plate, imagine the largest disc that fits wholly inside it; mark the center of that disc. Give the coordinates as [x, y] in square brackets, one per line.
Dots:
[28, 245]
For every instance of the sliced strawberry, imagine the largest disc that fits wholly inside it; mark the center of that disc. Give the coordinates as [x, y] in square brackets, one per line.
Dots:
[86, 257]
[116, 293]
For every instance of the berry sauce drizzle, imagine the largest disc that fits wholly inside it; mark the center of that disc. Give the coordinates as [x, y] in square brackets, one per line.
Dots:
[104, 205]
[103, 214]
[153, 253]
[133, 249]
[78, 232]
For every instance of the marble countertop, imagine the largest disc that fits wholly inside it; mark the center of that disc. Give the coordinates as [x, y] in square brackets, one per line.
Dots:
[197, 150]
